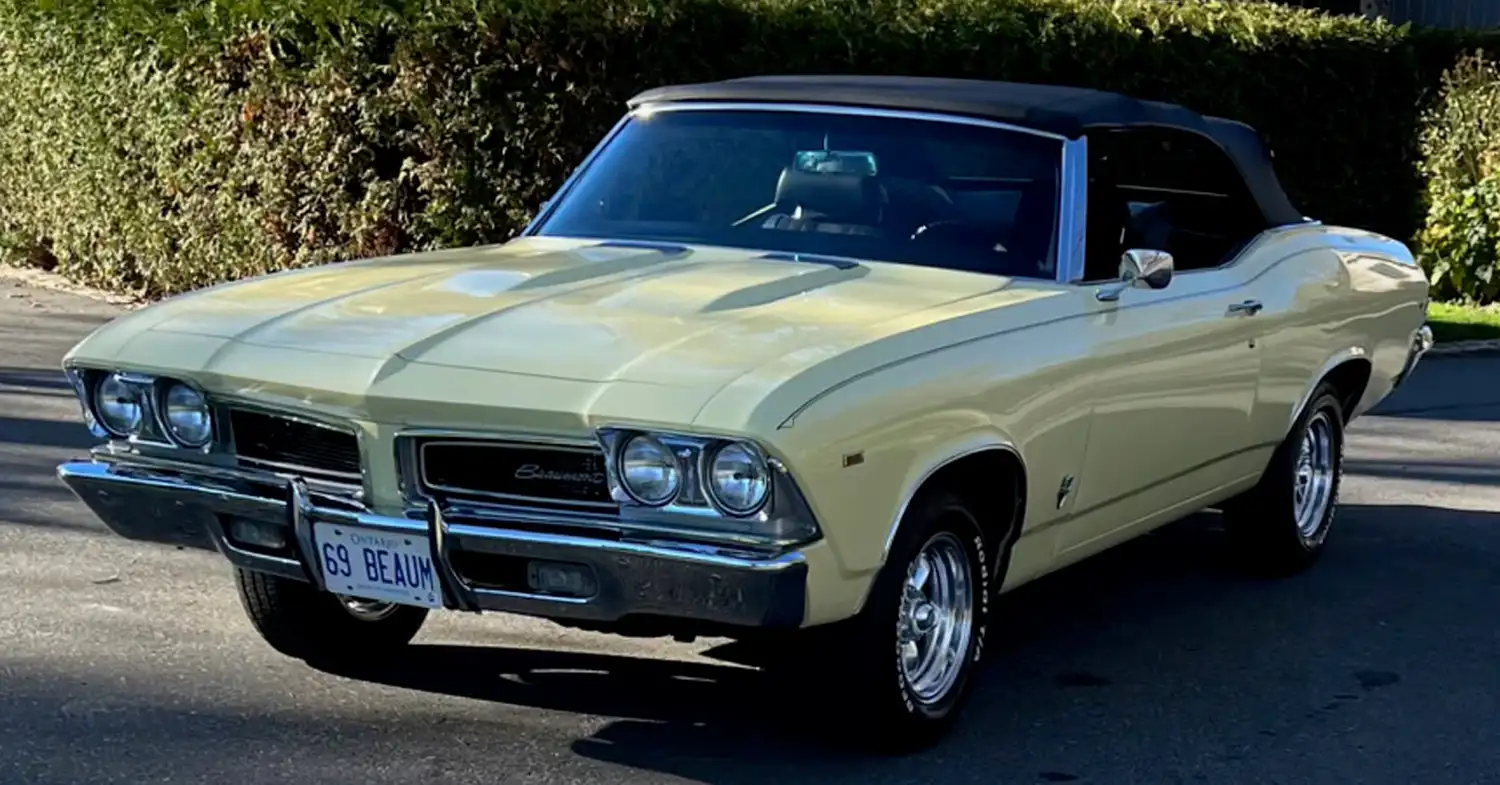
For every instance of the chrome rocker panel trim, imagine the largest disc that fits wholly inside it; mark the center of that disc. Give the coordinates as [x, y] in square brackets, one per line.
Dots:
[188, 506]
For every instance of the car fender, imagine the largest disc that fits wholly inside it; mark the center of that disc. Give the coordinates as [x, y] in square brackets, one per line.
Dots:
[1338, 358]
[935, 460]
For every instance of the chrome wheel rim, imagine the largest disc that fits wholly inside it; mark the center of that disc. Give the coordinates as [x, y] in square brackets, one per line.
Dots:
[936, 619]
[1312, 490]
[367, 610]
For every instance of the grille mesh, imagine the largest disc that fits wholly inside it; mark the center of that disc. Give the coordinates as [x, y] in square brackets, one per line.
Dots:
[526, 474]
[292, 444]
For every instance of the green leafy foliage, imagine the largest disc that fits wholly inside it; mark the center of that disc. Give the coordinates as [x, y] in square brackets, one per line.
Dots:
[161, 145]
[1460, 243]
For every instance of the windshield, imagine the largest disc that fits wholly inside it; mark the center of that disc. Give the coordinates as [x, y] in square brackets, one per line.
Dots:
[914, 191]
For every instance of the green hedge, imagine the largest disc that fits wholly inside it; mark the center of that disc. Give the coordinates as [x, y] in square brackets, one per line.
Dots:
[157, 146]
[1460, 241]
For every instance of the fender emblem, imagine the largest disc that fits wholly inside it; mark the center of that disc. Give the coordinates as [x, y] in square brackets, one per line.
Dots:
[1063, 490]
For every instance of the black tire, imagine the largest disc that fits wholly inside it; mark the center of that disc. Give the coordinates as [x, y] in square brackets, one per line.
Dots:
[1263, 525]
[855, 666]
[299, 621]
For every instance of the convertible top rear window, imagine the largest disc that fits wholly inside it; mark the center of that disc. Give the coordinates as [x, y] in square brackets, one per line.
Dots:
[874, 187]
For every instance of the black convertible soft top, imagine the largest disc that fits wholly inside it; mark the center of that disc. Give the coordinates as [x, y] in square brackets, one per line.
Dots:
[1067, 111]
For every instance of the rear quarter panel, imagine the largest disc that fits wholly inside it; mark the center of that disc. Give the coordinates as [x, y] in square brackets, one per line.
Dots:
[1333, 295]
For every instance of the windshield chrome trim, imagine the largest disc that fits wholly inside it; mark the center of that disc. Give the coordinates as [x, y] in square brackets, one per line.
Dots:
[1072, 176]
[840, 109]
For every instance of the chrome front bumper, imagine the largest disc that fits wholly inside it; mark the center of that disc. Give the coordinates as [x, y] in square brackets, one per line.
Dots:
[195, 507]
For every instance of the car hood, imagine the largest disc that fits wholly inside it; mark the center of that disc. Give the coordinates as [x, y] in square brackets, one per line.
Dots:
[577, 314]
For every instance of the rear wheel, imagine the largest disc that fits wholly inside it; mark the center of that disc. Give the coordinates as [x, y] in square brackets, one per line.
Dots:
[1282, 525]
[299, 621]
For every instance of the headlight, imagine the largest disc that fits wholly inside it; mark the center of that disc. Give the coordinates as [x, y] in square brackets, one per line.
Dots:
[739, 478]
[118, 405]
[186, 414]
[649, 471]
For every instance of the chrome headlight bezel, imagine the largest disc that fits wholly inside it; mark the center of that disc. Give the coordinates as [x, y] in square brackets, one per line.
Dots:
[170, 424]
[716, 493]
[782, 518]
[152, 428]
[665, 458]
[125, 390]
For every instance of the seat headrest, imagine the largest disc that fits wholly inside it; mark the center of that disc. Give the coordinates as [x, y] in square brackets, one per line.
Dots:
[841, 198]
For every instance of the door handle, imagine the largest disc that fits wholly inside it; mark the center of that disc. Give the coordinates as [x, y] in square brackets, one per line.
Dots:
[1248, 308]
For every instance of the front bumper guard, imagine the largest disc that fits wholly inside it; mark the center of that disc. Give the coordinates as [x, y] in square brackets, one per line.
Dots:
[194, 507]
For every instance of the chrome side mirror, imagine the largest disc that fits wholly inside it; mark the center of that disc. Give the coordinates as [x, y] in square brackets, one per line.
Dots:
[1140, 268]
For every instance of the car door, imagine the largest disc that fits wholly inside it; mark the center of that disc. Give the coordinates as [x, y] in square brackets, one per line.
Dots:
[1177, 370]
[1174, 386]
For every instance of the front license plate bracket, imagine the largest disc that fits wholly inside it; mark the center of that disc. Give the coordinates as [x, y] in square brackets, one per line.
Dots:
[371, 564]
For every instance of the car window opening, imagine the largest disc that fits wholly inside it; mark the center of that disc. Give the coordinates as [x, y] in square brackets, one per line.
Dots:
[1166, 190]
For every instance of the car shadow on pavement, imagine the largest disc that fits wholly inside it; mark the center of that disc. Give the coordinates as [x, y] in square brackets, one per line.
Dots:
[1162, 636]
[35, 379]
[45, 433]
[1477, 472]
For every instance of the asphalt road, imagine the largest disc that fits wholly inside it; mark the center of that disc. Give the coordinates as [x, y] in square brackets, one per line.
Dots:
[1153, 664]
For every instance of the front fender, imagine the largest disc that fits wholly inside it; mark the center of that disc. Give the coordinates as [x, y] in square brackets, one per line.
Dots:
[859, 486]
[952, 450]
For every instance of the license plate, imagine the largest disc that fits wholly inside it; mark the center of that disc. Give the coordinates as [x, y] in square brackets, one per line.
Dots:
[374, 565]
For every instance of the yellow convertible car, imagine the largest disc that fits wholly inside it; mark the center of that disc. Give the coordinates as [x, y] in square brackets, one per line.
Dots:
[825, 362]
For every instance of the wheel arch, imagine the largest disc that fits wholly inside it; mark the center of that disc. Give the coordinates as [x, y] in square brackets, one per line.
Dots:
[972, 471]
[1349, 371]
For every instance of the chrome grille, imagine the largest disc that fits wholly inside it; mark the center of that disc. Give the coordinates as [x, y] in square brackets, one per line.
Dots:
[292, 446]
[524, 474]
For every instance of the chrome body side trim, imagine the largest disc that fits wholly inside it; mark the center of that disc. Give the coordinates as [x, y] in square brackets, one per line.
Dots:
[637, 573]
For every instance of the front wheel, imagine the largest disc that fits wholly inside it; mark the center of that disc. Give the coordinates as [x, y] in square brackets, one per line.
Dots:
[896, 676]
[1281, 526]
[299, 621]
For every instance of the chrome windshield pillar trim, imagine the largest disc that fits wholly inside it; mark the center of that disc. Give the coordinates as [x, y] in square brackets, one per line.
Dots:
[300, 515]
[454, 588]
[1072, 220]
